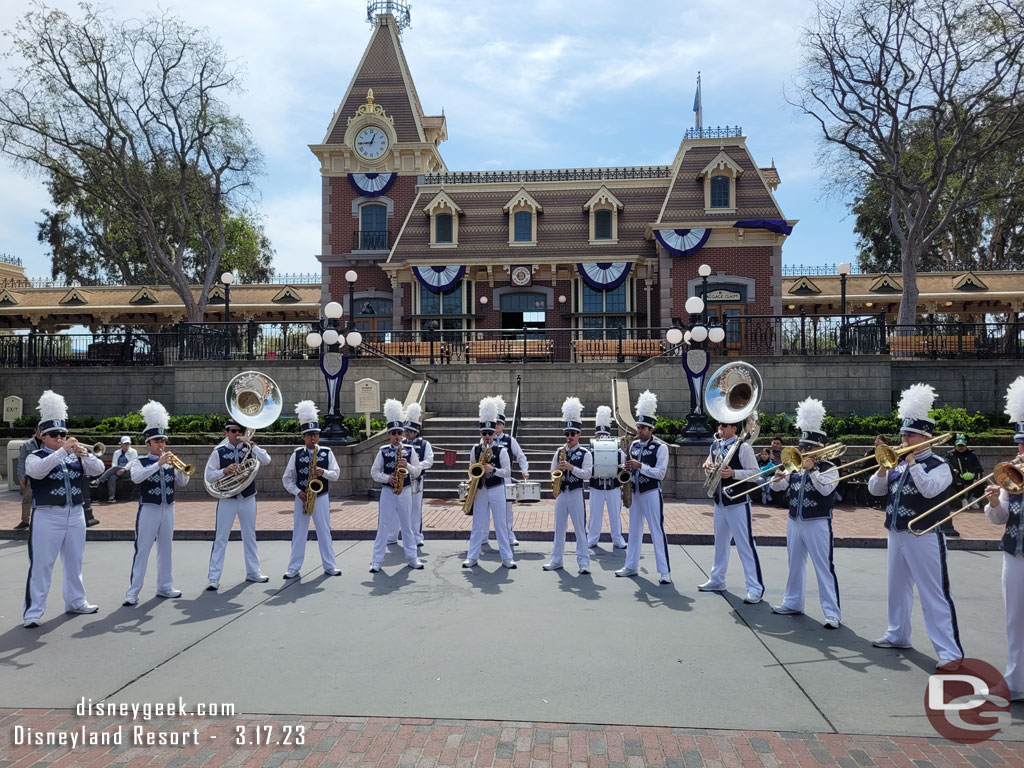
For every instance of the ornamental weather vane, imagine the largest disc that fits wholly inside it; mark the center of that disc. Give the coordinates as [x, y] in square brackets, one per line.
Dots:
[396, 8]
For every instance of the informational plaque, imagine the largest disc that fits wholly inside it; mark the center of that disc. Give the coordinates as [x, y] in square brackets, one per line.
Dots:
[12, 409]
[367, 396]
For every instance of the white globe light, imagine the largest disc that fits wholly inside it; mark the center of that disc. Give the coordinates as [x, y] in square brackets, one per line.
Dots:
[674, 336]
[716, 335]
[694, 305]
[227, 278]
[483, 300]
[351, 276]
[354, 339]
[704, 270]
[686, 337]
[330, 336]
[844, 268]
[699, 333]
[314, 339]
[333, 310]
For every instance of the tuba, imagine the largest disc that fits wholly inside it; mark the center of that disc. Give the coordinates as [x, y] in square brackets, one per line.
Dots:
[254, 400]
[732, 395]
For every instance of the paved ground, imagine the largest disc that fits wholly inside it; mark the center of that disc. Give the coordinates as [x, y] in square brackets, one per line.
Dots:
[674, 676]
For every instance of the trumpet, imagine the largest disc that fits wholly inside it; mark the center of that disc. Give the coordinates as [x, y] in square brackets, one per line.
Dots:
[181, 466]
[793, 459]
[888, 457]
[556, 476]
[1007, 474]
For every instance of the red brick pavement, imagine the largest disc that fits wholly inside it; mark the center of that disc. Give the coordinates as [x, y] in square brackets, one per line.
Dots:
[443, 518]
[330, 742]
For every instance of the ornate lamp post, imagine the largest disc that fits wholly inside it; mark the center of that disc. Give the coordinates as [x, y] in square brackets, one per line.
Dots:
[334, 351]
[705, 272]
[844, 346]
[696, 361]
[227, 279]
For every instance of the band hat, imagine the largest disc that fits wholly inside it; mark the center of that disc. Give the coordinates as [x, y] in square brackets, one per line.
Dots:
[413, 415]
[53, 413]
[488, 414]
[229, 422]
[603, 420]
[308, 415]
[1015, 407]
[915, 404]
[501, 409]
[572, 410]
[156, 418]
[393, 415]
[810, 413]
[125, 439]
[646, 408]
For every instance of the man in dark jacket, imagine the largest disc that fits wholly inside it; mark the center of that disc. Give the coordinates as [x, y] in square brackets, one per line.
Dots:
[31, 445]
[966, 469]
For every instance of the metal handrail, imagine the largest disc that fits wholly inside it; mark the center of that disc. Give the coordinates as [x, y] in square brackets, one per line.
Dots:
[515, 406]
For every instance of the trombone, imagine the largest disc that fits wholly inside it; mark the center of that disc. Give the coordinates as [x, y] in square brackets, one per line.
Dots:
[888, 457]
[1007, 474]
[792, 461]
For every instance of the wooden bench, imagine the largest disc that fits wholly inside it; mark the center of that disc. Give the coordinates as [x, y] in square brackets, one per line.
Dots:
[608, 349]
[509, 349]
[925, 346]
[413, 350]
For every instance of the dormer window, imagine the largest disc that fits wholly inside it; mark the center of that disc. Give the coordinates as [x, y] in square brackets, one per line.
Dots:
[522, 213]
[444, 221]
[604, 209]
[720, 177]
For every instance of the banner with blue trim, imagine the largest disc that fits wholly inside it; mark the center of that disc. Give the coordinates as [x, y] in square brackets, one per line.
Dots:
[682, 242]
[372, 184]
[778, 226]
[604, 276]
[439, 279]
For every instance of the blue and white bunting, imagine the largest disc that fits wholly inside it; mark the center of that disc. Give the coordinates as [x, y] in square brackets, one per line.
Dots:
[682, 242]
[439, 279]
[372, 184]
[604, 276]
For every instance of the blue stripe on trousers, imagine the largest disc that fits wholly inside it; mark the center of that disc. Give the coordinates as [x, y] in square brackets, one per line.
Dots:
[945, 589]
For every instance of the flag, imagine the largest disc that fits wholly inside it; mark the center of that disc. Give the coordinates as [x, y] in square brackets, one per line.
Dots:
[696, 100]
[450, 458]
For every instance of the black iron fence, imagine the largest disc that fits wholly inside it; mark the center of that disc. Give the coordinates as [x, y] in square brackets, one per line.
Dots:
[750, 335]
[371, 240]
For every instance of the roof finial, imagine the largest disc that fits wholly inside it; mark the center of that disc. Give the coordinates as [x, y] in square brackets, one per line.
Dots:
[369, 95]
[395, 8]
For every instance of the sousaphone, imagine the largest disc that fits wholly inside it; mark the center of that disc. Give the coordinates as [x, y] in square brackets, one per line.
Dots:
[731, 396]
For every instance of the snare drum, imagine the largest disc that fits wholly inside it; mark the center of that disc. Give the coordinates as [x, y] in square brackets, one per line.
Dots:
[606, 457]
[528, 490]
[511, 491]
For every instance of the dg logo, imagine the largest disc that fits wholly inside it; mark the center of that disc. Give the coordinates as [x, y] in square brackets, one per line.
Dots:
[967, 702]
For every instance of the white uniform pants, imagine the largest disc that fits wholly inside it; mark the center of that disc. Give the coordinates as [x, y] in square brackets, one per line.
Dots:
[599, 500]
[570, 504]
[647, 507]
[811, 538]
[921, 561]
[510, 514]
[227, 510]
[488, 503]
[732, 523]
[55, 531]
[1013, 598]
[415, 520]
[153, 523]
[300, 532]
[394, 512]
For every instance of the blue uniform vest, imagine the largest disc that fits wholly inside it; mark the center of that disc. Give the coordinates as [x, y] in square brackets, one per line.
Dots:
[302, 466]
[493, 479]
[421, 450]
[805, 502]
[1013, 537]
[905, 502]
[389, 455]
[570, 481]
[158, 488]
[226, 454]
[718, 450]
[62, 486]
[646, 453]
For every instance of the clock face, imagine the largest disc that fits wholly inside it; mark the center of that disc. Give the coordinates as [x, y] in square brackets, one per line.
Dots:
[371, 143]
[521, 276]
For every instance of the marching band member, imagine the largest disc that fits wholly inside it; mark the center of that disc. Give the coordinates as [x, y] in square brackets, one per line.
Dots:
[225, 460]
[732, 516]
[576, 465]
[58, 522]
[310, 460]
[390, 458]
[489, 501]
[648, 461]
[156, 477]
[812, 494]
[1004, 508]
[425, 453]
[604, 491]
[912, 487]
[511, 445]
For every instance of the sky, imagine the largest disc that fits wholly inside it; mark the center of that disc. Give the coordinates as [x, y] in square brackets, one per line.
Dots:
[525, 84]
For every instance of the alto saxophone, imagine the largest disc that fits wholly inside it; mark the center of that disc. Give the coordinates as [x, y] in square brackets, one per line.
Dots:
[313, 488]
[476, 472]
[556, 476]
[400, 474]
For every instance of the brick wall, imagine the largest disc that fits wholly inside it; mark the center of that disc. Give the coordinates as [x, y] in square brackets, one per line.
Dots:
[343, 224]
[741, 261]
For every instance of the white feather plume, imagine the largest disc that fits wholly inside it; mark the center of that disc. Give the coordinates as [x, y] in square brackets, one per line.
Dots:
[571, 409]
[916, 401]
[809, 415]
[647, 404]
[307, 412]
[1015, 400]
[392, 410]
[604, 416]
[413, 412]
[501, 404]
[52, 407]
[489, 409]
[155, 415]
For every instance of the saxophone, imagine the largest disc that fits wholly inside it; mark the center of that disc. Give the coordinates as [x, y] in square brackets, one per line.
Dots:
[313, 487]
[556, 476]
[476, 471]
[400, 473]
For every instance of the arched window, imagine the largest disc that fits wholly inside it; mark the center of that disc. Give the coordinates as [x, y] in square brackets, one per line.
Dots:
[524, 227]
[443, 228]
[720, 192]
[373, 227]
[602, 225]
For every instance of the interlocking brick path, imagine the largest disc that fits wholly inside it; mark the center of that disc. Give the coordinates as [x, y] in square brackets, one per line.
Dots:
[685, 523]
[394, 742]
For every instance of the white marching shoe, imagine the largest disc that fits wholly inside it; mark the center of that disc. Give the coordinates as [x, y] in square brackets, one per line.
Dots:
[626, 572]
[169, 593]
[213, 586]
[259, 578]
[374, 567]
[130, 600]
[710, 586]
[784, 611]
[84, 608]
[552, 566]
[664, 578]
[291, 574]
